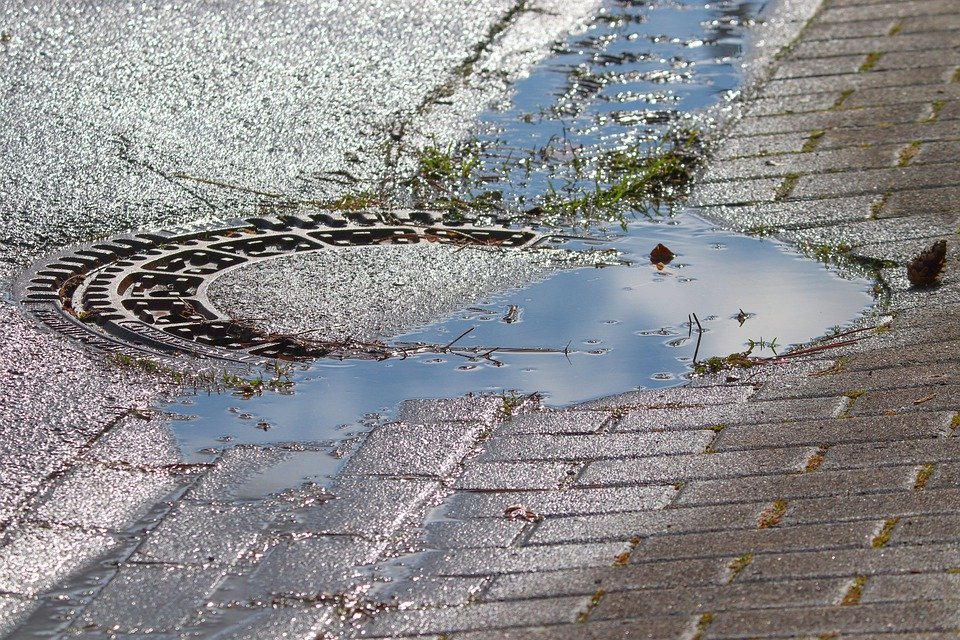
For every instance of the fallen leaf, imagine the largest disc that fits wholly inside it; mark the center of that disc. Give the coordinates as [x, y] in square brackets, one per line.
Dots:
[521, 512]
[925, 268]
[661, 254]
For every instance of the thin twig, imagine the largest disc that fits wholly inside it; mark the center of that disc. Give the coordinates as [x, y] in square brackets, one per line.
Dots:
[455, 340]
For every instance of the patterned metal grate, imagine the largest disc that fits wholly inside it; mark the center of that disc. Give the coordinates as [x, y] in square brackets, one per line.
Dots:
[145, 294]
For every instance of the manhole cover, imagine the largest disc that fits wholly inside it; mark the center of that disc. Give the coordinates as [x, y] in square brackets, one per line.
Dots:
[146, 293]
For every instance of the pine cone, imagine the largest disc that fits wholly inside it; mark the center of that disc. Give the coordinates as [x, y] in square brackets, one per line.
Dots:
[924, 270]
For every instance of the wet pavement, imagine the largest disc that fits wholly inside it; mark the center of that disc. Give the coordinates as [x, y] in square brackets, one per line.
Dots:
[812, 498]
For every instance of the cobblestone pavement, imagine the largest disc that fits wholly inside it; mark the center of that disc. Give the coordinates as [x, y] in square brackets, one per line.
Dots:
[819, 498]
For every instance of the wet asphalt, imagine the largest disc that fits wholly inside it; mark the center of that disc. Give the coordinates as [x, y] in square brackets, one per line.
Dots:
[135, 116]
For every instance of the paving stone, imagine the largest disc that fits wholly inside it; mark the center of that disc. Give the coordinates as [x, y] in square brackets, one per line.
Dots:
[237, 466]
[836, 431]
[623, 526]
[875, 180]
[905, 377]
[425, 591]
[594, 447]
[895, 78]
[807, 67]
[202, 534]
[647, 628]
[795, 104]
[557, 503]
[892, 10]
[651, 575]
[496, 615]
[765, 146]
[900, 45]
[731, 192]
[514, 475]
[850, 562]
[481, 562]
[845, 118]
[630, 604]
[554, 422]
[926, 586]
[475, 532]
[691, 395]
[811, 621]
[96, 496]
[852, 29]
[728, 414]
[940, 397]
[487, 409]
[366, 506]
[945, 476]
[305, 568]
[872, 507]
[878, 454]
[895, 95]
[703, 466]
[796, 485]
[414, 449]
[36, 558]
[733, 544]
[945, 349]
[895, 133]
[926, 529]
[149, 599]
[304, 623]
[816, 161]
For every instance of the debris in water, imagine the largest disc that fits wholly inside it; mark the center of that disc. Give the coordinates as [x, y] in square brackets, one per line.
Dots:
[924, 269]
[661, 255]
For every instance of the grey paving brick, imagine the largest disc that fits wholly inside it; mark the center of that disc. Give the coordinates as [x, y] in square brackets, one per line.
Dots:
[892, 10]
[703, 466]
[402, 449]
[844, 118]
[594, 447]
[878, 454]
[945, 476]
[430, 590]
[690, 395]
[498, 615]
[875, 180]
[651, 575]
[198, 533]
[817, 161]
[514, 475]
[732, 544]
[895, 78]
[366, 506]
[874, 507]
[925, 586]
[905, 377]
[772, 145]
[849, 562]
[926, 529]
[97, 496]
[938, 397]
[731, 192]
[895, 95]
[475, 532]
[647, 628]
[141, 443]
[836, 431]
[623, 526]
[149, 599]
[851, 29]
[487, 409]
[305, 567]
[556, 503]
[554, 422]
[630, 604]
[236, 467]
[807, 67]
[729, 414]
[916, 59]
[795, 104]
[936, 152]
[481, 562]
[945, 349]
[281, 622]
[799, 485]
[918, 616]
[35, 558]
[894, 133]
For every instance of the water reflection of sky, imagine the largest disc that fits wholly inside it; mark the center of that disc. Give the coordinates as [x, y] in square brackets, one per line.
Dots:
[633, 318]
[625, 327]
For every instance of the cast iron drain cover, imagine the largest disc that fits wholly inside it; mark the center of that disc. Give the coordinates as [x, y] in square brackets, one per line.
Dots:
[144, 294]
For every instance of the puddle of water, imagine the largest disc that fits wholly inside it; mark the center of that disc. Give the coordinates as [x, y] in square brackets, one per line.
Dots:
[621, 328]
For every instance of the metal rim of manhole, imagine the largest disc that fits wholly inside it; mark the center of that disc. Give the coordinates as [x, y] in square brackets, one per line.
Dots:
[144, 294]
